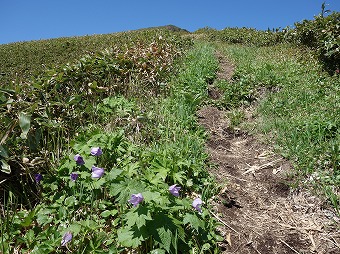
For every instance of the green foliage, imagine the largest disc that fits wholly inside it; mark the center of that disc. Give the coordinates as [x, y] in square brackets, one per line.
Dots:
[21, 60]
[97, 211]
[236, 117]
[321, 34]
[245, 36]
[40, 116]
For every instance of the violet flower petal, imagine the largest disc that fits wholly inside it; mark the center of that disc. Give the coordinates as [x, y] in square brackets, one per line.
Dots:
[174, 190]
[67, 237]
[136, 199]
[96, 151]
[197, 204]
[74, 176]
[38, 177]
[97, 172]
[79, 160]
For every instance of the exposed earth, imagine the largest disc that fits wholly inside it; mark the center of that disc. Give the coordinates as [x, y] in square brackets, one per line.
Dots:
[258, 211]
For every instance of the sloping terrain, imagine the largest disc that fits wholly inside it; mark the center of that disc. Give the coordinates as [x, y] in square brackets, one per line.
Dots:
[134, 96]
[258, 210]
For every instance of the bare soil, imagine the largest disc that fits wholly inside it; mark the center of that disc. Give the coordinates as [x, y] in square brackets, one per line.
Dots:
[258, 211]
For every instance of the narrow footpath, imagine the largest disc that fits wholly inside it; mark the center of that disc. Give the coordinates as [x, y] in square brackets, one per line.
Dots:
[258, 211]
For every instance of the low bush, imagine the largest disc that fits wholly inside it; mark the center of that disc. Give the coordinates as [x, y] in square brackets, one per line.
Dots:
[322, 34]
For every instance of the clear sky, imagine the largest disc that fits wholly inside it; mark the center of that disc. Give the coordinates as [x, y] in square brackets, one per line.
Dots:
[23, 20]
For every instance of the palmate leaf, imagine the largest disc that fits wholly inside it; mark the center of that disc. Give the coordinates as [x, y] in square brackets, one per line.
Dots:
[113, 174]
[193, 220]
[165, 235]
[138, 217]
[162, 229]
[155, 197]
[131, 237]
[123, 190]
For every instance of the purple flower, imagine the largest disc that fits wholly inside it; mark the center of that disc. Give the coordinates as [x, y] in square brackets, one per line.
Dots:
[174, 190]
[96, 151]
[67, 237]
[79, 160]
[38, 177]
[136, 199]
[97, 172]
[197, 204]
[74, 176]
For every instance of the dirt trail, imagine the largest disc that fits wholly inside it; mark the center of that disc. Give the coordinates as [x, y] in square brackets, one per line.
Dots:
[258, 211]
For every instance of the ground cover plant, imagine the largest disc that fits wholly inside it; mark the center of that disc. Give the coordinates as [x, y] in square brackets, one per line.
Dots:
[109, 192]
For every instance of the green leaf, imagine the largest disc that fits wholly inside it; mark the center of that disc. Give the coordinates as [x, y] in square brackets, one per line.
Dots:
[189, 183]
[3, 152]
[129, 238]
[138, 217]
[44, 216]
[153, 197]
[205, 247]
[4, 167]
[108, 213]
[24, 123]
[163, 228]
[97, 184]
[70, 201]
[165, 237]
[124, 189]
[113, 174]
[179, 177]
[90, 224]
[28, 219]
[74, 228]
[193, 220]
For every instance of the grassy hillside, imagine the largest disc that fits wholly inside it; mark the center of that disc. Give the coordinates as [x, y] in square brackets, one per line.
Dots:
[100, 150]
[19, 61]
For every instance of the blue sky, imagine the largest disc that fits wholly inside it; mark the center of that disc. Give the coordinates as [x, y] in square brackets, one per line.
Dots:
[24, 20]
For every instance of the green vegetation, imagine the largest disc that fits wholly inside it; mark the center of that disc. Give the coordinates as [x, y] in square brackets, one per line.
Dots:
[22, 60]
[322, 35]
[149, 147]
[100, 150]
[245, 36]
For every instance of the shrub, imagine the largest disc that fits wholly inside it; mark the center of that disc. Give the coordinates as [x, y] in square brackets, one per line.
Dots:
[321, 34]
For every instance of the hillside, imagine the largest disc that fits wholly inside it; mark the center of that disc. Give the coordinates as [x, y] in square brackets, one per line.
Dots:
[165, 141]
